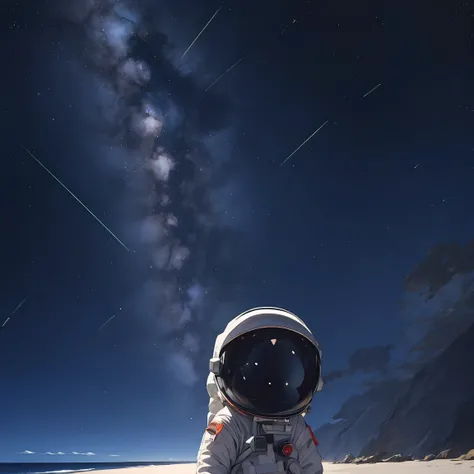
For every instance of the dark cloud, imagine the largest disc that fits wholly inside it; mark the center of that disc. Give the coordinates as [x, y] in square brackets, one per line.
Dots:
[370, 359]
[367, 360]
[441, 309]
[450, 314]
[439, 302]
[334, 375]
[442, 263]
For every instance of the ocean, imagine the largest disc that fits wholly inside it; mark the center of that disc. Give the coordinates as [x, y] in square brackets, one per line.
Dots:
[68, 468]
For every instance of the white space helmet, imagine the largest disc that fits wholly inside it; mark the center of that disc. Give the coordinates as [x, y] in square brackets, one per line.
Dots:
[266, 363]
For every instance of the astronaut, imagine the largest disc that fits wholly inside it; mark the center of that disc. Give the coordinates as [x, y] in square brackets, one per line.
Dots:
[265, 369]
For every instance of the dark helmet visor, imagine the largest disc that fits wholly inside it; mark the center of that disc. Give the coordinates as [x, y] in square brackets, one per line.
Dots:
[270, 372]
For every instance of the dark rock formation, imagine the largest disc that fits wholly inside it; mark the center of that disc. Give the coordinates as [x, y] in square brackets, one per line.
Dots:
[377, 457]
[434, 413]
[348, 458]
[445, 454]
[470, 455]
[358, 421]
[398, 458]
[461, 438]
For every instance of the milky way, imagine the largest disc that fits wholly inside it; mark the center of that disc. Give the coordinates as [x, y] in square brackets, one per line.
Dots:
[161, 120]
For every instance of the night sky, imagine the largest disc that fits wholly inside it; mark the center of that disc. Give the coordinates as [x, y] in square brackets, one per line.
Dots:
[107, 355]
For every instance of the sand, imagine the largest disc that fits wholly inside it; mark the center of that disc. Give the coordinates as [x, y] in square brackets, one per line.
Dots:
[411, 467]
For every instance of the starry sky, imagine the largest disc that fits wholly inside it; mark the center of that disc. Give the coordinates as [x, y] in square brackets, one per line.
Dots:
[145, 202]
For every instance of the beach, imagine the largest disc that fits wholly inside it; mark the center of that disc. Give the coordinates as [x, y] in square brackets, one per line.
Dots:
[444, 466]
[411, 467]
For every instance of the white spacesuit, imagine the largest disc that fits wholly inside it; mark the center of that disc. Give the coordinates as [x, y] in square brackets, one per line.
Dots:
[265, 369]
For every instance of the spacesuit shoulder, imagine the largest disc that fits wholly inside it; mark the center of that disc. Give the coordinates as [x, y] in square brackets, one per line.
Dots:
[302, 430]
[225, 415]
[229, 418]
[220, 444]
[306, 445]
[237, 424]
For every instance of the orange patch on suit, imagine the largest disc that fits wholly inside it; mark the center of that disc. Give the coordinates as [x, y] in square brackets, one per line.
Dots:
[214, 428]
[316, 442]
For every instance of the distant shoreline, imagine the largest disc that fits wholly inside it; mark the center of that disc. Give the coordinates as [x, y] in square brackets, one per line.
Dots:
[161, 467]
[131, 463]
[56, 467]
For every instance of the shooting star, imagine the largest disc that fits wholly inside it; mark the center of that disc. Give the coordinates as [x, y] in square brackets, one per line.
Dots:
[306, 141]
[372, 90]
[201, 32]
[287, 26]
[225, 72]
[106, 322]
[14, 311]
[19, 306]
[76, 198]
